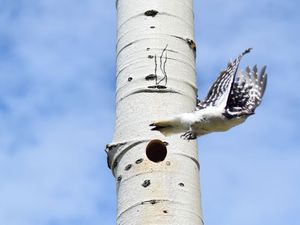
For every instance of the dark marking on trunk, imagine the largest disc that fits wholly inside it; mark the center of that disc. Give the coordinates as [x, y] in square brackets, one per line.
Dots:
[146, 183]
[119, 178]
[128, 167]
[192, 45]
[192, 158]
[151, 89]
[138, 161]
[152, 201]
[151, 13]
[189, 41]
[150, 77]
[126, 46]
[158, 86]
[115, 164]
[162, 65]
[143, 203]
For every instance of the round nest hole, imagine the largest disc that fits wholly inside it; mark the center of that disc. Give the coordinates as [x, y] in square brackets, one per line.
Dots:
[156, 151]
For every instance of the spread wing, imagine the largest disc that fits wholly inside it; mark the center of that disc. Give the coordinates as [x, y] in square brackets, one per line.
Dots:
[247, 91]
[218, 93]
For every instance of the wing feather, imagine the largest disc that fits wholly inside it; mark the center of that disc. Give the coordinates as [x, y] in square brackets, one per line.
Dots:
[220, 90]
[247, 91]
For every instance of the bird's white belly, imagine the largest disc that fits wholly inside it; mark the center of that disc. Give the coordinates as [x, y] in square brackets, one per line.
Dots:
[215, 124]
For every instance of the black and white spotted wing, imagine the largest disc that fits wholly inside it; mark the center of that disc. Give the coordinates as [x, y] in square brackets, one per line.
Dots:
[247, 90]
[220, 90]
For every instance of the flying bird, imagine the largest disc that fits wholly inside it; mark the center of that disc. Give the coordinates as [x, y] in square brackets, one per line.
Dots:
[232, 98]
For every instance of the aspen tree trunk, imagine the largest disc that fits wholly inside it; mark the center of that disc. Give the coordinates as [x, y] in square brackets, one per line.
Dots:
[157, 177]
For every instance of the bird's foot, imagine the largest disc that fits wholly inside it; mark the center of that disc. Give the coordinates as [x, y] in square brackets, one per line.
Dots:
[189, 135]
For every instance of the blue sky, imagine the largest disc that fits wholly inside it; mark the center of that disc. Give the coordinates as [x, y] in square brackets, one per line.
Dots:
[57, 68]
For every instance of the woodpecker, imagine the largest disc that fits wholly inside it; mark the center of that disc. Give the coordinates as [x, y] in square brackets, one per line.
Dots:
[232, 98]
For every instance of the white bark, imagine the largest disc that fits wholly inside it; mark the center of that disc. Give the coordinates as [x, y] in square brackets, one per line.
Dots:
[154, 39]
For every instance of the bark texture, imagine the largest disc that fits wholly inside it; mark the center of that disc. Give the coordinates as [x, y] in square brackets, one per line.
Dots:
[157, 177]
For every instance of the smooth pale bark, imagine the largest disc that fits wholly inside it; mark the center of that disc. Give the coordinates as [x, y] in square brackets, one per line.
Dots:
[155, 79]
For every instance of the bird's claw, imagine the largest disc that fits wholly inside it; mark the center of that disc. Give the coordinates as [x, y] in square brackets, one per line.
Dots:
[189, 135]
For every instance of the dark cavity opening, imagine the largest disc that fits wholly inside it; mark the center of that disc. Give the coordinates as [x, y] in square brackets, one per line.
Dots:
[156, 151]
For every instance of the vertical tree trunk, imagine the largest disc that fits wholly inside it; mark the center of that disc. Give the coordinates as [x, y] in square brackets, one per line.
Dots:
[157, 177]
